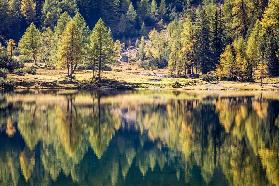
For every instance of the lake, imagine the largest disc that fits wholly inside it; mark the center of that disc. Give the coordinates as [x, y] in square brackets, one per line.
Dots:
[139, 138]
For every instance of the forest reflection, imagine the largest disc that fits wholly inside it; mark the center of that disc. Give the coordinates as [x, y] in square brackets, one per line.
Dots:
[137, 139]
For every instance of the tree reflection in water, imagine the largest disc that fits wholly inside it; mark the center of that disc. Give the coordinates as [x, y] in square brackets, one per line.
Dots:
[138, 139]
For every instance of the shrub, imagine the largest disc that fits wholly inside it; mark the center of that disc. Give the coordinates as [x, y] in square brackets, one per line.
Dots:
[30, 70]
[9, 63]
[19, 72]
[3, 72]
[209, 77]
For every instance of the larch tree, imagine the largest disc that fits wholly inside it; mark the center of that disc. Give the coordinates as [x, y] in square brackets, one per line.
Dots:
[270, 31]
[154, 7]
[226, 68]
[10, 47]
[101, 46]
[28, 9]
[188, 41]
[70, 48]
[175, 62]
[29, 44]
[162, 9]
[47, 43]
[85, 32]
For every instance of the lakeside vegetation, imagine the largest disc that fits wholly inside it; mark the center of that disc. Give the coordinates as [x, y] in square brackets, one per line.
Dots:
[207, 41]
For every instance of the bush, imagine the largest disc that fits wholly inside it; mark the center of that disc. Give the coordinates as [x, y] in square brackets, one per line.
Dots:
[3, 72]
[210, 77]
[19, 72]
[9, 63]
[30, 70]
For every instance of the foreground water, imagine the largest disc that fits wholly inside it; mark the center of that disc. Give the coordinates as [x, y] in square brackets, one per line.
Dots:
[141, 138]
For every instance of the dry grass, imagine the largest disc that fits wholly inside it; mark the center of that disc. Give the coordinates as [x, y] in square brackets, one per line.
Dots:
[151, 79]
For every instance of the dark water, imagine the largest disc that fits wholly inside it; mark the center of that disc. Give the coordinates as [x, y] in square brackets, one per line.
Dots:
[140, 138]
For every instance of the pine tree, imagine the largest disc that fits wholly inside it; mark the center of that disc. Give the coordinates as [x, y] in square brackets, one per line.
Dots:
[270, 31]
[226, 68]
[58, 30]
[202, 47]
[241, 17]
[85, 32]
[242, 67]
[175, 62]
[141, 49]
[131, 13]
[188, 41]
[154, 7]
[47, 44]
[254, 47]
[28, 9]
[162, 9]
[70, 48]
[29, 44]
[101, 46]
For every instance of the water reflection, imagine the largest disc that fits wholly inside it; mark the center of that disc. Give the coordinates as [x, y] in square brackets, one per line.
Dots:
[142, 138]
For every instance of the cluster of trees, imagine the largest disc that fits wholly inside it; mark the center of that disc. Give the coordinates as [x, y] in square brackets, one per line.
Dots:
[120, 15]
[70, 45]
[236, 39]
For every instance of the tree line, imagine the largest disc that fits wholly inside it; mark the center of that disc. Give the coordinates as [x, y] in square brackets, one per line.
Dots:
[234, 40]
[70, 45]
[121, 16]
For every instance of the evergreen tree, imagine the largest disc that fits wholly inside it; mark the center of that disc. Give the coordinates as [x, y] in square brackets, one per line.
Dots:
[28, 9]
[154, 7]
[85, 32]
[29, 44]
[58, 30]
[70, 48]
[188, 41]
[101, 46]
[141, 49]
[254, 47]
[270, 31]
[52, 10]
[131, 13]
[175, 62]
[226, 68]
[47, 43]
[162, 9]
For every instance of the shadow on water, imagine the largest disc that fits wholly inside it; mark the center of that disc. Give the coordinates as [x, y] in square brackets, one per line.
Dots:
[138, 138]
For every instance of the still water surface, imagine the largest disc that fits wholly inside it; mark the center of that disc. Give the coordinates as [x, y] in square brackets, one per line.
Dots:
[139, 138]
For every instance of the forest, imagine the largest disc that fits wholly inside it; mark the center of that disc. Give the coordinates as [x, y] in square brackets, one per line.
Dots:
[231, 40]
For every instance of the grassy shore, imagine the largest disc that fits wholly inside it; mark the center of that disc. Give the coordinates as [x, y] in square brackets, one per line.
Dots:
[129, 76]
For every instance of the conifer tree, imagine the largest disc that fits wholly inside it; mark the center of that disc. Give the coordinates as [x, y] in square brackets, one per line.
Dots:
[162, 9]
[101, 46]
[154, 7]
[47, 43]
[85, 32]
[226, 68]
[175, 63]
[131, 13]
[188, 41]
[254, 46]
[29, 44]
[70, 48]
[270, 31]
[28, 9]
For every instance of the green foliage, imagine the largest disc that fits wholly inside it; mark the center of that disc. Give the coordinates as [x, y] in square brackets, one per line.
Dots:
[101, 47]
[3, 73]
[70, 48]
[30, 43]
